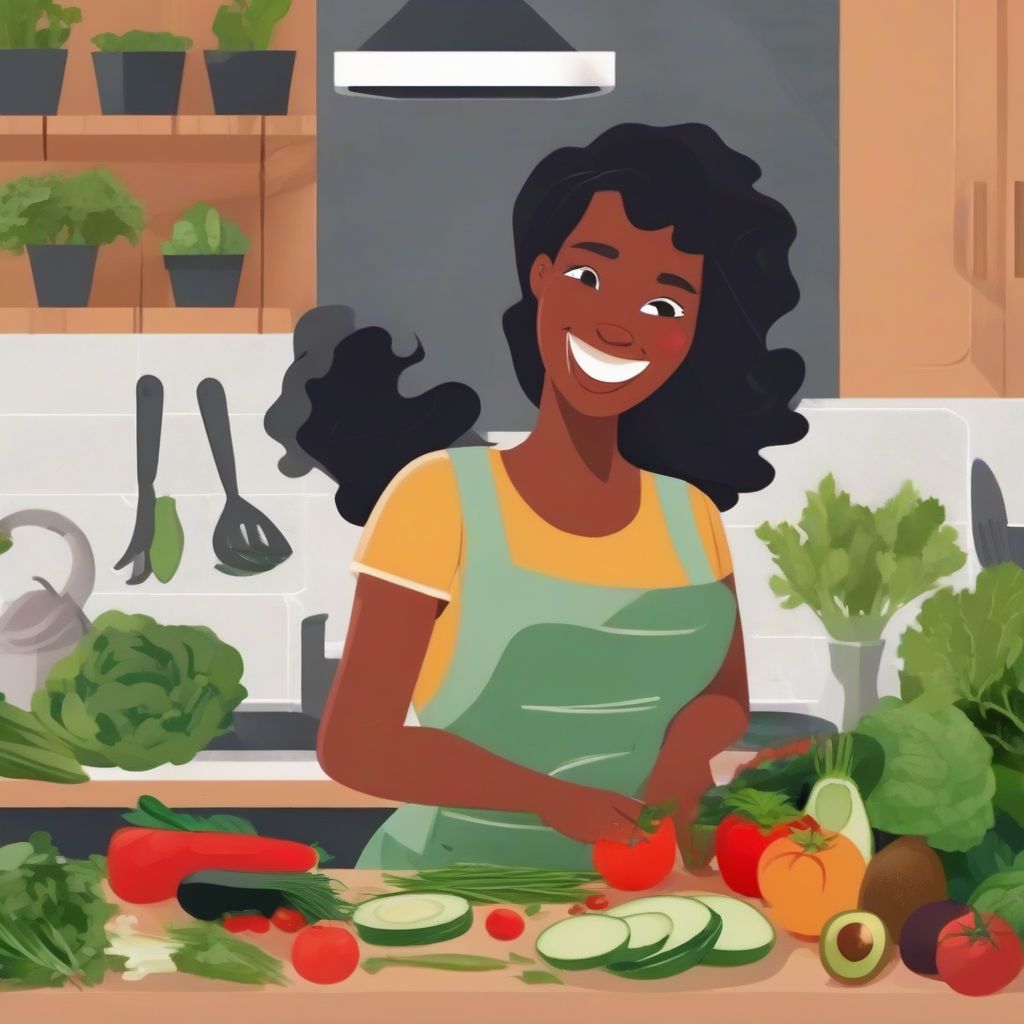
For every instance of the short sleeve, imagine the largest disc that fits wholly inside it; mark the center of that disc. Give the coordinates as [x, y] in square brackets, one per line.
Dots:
[712, 532]
[414, 535]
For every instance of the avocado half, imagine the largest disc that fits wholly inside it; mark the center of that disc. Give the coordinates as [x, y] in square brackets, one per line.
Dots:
[855, 947]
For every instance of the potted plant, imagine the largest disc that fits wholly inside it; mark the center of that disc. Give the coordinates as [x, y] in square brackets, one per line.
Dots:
[245, 76]
[855, 568]
[204, 258]
[139, 72]
[32, 58]
[62, 220]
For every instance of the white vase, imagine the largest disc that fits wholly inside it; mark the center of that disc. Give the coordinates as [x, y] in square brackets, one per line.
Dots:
[853, 684]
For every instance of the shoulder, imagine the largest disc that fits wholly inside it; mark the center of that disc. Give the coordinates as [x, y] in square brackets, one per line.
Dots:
[708, 521]
[429, 478]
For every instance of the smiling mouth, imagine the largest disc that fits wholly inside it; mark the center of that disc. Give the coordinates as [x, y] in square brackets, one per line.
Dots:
[601, 366]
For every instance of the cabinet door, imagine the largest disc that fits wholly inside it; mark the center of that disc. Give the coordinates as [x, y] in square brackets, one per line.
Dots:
[921, 195]
[1014, 184]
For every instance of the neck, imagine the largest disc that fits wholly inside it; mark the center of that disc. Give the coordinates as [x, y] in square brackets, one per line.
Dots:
[574, 442]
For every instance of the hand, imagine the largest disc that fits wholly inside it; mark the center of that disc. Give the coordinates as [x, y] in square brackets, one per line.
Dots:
[587, 814]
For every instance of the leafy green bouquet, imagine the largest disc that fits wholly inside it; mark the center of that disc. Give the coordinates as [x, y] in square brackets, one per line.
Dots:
[248, 24]
[20, 28]
[203, 232]
[91, 208]
[855, 567]
[135, 694]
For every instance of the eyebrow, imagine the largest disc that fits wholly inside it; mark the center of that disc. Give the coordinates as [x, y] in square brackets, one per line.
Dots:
[600, 248]
[677, 281]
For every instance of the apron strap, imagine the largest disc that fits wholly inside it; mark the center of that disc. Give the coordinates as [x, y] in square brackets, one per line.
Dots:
[482, 524]
[677, 507]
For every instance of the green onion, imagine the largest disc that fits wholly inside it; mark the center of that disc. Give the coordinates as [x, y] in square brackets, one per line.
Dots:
[489, 883]
[437, 961]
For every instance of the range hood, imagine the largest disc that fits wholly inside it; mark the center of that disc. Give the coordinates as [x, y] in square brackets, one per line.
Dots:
[471, 49]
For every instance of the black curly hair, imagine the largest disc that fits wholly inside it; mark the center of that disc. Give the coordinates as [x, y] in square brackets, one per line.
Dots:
[707, 424]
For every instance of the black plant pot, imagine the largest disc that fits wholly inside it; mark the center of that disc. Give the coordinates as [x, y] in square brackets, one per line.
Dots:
[250, 81]
[31, 80]
[139, 83]
[204, 280]
[62, 274]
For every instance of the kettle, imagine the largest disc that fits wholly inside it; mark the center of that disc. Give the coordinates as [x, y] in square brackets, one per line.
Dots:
[42, 626]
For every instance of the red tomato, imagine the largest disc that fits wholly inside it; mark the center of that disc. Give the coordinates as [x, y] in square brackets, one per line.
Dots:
[639, 865]
[288, 920]
[577, 908]
[259, 923]
[504, 924]
[978, 954]
[597, 902]
[237, 922]
[739, 843]
[325, 954]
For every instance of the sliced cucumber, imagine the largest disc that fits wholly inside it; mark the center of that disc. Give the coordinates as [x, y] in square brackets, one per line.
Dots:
[577, 943]
[647, 934]
[412, 919]
[747, 935]
[695, 928]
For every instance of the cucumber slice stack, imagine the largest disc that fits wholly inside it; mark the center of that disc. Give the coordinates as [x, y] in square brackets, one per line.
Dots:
[412, 919]
[747, 935]
[578, 943]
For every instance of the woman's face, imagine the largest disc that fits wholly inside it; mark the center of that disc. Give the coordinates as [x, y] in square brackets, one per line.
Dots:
[616, 310]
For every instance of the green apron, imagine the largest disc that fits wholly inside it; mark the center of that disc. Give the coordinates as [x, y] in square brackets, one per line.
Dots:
[570, 679]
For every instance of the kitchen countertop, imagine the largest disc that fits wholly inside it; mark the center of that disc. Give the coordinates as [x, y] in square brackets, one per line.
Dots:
[789, 984]
[228, 779]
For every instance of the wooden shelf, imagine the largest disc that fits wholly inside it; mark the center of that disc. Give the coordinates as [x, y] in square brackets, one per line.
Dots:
[151, 320]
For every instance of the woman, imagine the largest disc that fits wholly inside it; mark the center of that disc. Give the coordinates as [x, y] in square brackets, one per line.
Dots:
[562, 615]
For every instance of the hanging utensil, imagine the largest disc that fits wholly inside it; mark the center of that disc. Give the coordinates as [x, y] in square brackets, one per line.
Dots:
[245, 539]
[149, 411]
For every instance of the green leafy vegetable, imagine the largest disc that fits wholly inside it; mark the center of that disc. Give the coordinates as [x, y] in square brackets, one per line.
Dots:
[996, 852]
[540, 978]
[91, 208]
[435, 961]
[52, 929]
[29, 751]
[856, 567]
[141, 42]
[1009, 792]
[136, 694]
[515, 958]
[1003, 894]
[6, 543]
[151, 813]
[248, 24]
[168, 540]
[937, 781]
[203, 232]
[532, 909]
[35, 24]
[208, 951]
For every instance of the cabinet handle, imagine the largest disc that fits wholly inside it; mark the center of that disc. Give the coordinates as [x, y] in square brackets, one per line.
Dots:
[979, 216]
[1018, 229]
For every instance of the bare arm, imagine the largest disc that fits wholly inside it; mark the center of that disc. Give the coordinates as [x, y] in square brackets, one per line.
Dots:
[365, 744]
[703, 728]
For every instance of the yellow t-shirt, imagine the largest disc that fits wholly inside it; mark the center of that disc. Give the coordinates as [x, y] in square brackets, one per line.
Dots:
[414, 538]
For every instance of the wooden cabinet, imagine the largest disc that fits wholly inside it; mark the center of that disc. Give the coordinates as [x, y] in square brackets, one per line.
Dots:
[931, 171]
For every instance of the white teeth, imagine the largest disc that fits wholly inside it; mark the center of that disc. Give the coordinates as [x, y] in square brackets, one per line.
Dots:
[600, 366]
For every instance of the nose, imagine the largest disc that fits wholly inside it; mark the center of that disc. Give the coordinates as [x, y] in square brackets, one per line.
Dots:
[613, 334]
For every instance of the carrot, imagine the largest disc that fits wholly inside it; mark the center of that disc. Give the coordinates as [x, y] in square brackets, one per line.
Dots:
[146, 865]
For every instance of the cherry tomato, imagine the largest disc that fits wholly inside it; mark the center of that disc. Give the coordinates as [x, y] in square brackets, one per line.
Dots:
[287, 919]
[597, 902]
[577, 908]
[739, 844]
[325, 954]
[639, 865]
[237, 922]
[978, 954]
[504, 924]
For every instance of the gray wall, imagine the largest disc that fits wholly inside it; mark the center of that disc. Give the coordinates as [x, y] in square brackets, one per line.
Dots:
[416, 196]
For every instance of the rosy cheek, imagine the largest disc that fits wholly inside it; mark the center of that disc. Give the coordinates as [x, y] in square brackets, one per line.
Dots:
[670, 340]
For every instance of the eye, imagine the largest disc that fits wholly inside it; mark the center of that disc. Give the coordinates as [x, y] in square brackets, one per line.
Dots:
[587, 275]
[662, 307]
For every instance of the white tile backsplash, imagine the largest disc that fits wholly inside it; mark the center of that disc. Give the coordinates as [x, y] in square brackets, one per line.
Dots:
[67, 442]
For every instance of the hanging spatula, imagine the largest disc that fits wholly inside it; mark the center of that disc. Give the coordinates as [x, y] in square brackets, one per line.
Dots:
[244, 539]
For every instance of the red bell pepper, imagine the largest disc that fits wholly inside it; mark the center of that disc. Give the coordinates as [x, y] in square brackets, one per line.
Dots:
[146, 865]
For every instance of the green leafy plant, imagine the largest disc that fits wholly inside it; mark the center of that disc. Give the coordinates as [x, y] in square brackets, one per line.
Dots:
[937, 779]
[968, 651]
[141, 42]
[35, 24]
[91, 208]
[855, 567]
[203, 232]
[248, 24]
[1003, 894]
[136, 694]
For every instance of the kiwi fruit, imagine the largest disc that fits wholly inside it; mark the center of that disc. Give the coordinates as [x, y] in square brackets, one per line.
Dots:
[904, 876]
